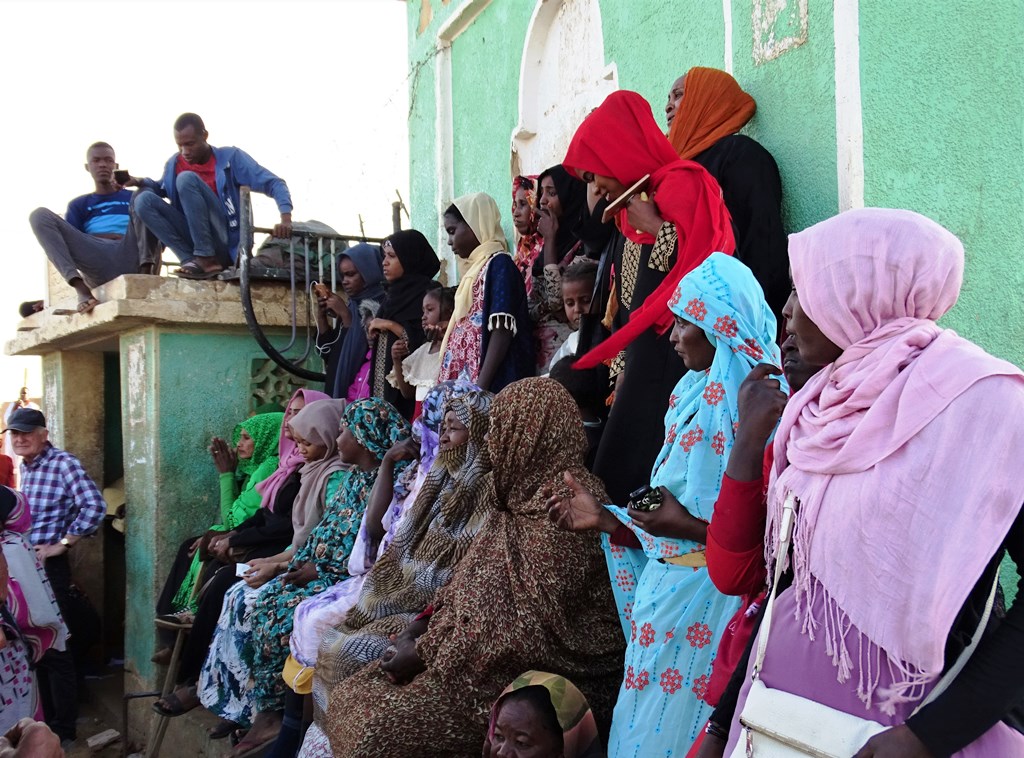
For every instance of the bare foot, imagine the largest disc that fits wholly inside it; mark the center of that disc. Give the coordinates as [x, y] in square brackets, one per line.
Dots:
[265, 728]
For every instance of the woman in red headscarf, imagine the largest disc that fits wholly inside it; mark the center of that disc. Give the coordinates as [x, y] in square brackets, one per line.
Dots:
[669, 232]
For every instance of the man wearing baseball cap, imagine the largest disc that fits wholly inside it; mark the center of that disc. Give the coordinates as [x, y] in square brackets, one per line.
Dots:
[66, 506]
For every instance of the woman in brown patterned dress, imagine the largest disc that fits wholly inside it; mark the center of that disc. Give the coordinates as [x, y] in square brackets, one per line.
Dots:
[526, 596]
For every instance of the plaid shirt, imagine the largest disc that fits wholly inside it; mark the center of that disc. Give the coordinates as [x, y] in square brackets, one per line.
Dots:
[62, 497]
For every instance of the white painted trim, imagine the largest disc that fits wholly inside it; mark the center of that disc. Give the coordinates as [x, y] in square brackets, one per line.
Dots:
[444, 136]
[849, 116]
[727, 18]
[461, 18]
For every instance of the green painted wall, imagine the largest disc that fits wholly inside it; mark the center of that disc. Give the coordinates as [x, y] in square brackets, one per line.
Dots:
[485, 105]
[178, 391]
[796, 112]
[944, 135]
[649, 62]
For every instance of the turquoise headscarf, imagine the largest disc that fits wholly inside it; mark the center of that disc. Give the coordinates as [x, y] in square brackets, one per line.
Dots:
[723, 298]
[375, 424]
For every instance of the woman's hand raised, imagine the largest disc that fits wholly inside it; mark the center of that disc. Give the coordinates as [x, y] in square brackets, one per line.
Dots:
[643, 214]
[579, 511]
[224, 458]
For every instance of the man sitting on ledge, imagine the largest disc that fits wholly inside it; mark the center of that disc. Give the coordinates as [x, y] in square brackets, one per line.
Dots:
[200, 223]
[98, 239]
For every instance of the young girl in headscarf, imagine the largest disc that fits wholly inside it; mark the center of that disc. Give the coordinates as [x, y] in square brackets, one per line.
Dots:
[525, 214]
[489, 339]
[682, 221]
[542, 714]
[671, 611]
[410, 265]
[706, 108]
[343, 346]
[249, 461]
[562, 198]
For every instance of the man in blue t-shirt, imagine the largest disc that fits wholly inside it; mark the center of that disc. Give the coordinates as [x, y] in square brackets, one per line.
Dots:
[98, 239]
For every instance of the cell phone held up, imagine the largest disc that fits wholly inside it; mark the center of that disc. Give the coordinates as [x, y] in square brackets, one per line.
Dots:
[321, 291]
[121, 176]
[646, 498]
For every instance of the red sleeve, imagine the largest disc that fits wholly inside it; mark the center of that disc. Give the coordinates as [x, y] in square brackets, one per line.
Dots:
[625, 537]
[735, 546]
[6, 471]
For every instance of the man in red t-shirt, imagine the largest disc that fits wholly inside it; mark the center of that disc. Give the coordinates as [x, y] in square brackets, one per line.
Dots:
[200, 223]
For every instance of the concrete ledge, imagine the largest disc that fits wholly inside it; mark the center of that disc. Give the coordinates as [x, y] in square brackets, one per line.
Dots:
[135, 300]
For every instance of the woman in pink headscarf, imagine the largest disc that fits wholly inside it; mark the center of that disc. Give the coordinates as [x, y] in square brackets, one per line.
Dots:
[903, 455]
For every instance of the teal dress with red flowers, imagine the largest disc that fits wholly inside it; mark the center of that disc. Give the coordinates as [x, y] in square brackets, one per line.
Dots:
[673, 615]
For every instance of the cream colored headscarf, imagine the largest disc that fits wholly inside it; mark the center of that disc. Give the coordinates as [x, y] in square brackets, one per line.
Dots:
[483, 217]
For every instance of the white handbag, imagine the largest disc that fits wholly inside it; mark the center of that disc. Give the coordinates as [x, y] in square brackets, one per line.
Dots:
[777, 724]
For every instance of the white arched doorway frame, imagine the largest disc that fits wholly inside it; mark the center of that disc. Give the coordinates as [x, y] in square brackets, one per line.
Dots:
[563, 75]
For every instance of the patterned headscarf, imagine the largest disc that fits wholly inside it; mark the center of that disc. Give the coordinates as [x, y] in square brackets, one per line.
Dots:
[528, 246]
[432, 414]
[375, 424]
[579, 730]
[430, 541]
[529, 450]
[264, 428]
[723, 298]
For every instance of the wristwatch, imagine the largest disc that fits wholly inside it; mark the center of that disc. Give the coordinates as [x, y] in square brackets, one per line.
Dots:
[65, 542]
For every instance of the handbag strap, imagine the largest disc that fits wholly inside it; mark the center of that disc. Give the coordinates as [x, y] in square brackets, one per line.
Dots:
[785, 538]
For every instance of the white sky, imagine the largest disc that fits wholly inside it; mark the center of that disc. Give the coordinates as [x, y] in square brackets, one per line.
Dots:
[315, 90]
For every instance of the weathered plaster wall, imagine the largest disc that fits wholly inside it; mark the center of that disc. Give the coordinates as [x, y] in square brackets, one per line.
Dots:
[943, 99]
[178, 391]
[796, 112]
[485, 86]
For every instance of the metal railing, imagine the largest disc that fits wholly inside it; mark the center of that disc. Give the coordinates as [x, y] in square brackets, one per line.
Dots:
[322, 248]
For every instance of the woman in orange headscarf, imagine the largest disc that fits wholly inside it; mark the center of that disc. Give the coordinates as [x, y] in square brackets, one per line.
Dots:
[705, 109]
[668, 234]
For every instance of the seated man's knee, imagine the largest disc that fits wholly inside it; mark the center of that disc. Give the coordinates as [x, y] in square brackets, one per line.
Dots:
[40, 217]
[188, 180]
[143, 202]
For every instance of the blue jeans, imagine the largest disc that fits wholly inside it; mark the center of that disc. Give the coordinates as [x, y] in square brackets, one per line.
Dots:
[198, 230]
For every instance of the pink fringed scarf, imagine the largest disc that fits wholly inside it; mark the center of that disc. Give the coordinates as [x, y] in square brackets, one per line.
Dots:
[904, 453]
